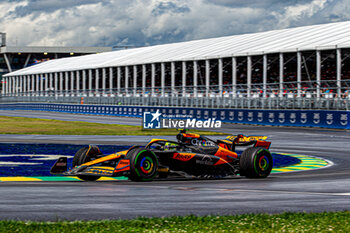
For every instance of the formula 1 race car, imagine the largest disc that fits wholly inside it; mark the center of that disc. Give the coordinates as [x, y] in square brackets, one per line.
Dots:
[192, 154]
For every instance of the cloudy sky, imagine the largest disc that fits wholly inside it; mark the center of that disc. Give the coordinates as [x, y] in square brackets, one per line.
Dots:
[149, 22]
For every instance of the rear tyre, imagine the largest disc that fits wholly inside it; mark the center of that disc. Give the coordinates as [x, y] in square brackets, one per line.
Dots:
[85, 155]
[143, 164]
[255, 162]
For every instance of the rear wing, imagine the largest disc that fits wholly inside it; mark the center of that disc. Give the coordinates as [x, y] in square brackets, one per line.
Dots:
[240, 140]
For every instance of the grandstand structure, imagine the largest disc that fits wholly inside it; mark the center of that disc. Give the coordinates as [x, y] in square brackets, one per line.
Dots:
[13, 58]
[303, 67]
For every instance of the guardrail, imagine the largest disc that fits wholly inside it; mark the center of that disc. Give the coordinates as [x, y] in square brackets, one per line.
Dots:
[300, 118]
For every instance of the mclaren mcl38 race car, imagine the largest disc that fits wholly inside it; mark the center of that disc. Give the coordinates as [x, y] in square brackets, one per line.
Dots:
[192, 155]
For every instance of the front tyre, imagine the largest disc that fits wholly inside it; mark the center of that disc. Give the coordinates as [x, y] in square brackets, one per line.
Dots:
[85, 155]
[143, 164]
[255, 162]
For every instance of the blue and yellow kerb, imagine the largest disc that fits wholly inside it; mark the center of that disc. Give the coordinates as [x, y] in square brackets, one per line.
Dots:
[307, 163]
[53, 178]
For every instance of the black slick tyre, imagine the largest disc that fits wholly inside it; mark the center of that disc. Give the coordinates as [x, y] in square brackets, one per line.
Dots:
[84, 155]
[255, 162]
[143, 164]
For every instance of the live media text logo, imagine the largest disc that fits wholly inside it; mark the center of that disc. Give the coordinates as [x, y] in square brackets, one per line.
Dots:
[155, 120]
[151, 120]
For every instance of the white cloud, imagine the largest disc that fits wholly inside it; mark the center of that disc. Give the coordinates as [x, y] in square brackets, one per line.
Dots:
[299, 12]
[143, 22]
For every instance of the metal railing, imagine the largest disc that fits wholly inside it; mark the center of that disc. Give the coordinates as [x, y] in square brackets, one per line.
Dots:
[258, 96]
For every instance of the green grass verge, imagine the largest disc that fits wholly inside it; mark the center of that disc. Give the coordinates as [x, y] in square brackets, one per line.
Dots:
[23, 125]
[287, 222]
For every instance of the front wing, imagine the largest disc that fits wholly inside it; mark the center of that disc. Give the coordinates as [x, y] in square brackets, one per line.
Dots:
[122, 168]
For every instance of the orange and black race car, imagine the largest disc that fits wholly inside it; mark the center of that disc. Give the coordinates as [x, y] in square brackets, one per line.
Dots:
[192, 154]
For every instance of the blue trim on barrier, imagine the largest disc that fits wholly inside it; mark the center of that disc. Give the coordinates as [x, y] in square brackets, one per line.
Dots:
[300, 118]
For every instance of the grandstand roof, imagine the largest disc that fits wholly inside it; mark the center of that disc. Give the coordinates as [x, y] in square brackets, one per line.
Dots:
[315, 37]
[53, 49]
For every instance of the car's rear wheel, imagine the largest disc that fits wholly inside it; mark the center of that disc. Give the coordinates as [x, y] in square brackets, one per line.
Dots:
[85, 155]
[143, 164]
[255, 162]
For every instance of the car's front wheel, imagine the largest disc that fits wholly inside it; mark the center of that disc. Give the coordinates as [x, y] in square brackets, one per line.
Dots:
[85, 155]
[255, 162]
[143, 164]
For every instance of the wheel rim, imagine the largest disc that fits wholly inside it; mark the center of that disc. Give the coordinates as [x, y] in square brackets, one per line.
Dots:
[146, 165]
[263, 163]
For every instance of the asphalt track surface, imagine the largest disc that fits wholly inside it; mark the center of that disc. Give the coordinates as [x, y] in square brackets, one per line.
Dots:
[319, 190]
